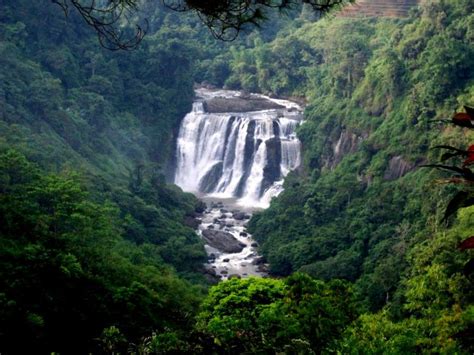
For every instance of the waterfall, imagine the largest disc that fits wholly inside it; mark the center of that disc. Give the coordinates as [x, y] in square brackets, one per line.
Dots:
[242, 155]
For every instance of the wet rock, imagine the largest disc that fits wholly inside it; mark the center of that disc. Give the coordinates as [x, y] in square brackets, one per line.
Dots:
[254, 244]
[229, 225]
[272, 170]
[259, 261]
[210, 180]
[210, 272]
[239, 216]
[222, 241]
[226, 260]
[201, 207]
[239, 104]
[243, 234]
[250, 147]
[235, 276]
[192, 222]
[223, 210]
[222, 216]
[224, 272]
[210, 226]
[247, 216]
[262, 268]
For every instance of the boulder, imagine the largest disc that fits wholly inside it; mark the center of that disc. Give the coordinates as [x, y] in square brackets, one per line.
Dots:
[222, 241]
[243, 234]
[226, 260]
[259, 261]
[239, 216]
[210, 272]
[192, 222]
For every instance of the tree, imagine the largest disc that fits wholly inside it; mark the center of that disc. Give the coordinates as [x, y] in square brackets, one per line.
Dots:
[225, 19]
[295, 315]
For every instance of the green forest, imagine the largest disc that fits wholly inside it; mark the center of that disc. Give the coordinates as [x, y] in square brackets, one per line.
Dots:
[365, 244]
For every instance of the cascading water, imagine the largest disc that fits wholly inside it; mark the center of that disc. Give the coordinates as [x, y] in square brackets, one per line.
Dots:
[244, 155]
[234, 155]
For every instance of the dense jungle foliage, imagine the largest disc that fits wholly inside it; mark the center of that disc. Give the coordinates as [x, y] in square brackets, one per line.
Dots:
[95, 255]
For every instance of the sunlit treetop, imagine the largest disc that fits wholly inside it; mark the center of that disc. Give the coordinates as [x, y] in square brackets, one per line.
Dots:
[224, 18]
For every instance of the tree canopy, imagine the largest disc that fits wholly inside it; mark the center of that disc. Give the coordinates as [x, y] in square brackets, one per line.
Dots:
[225, 19]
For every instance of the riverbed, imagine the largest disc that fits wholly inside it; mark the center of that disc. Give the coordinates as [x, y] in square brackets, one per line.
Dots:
[227, 216]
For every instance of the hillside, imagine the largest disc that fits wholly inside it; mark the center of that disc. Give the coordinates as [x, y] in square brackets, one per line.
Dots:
[98, 252]
[379, 8]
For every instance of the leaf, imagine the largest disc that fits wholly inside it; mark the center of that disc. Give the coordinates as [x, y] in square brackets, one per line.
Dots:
[464, 172]
[470, 156]
[470, 111]
[467, 243]
[460, 200]
[462, 119]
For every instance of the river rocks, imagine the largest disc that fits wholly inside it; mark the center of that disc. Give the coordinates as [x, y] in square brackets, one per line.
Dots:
[239, 216]
[218, 204]
[243, 234]
[234, 276]
[226, 260]
[259, 260]
[211, 226]
[192, 222]
[222, 241]
[254, 244]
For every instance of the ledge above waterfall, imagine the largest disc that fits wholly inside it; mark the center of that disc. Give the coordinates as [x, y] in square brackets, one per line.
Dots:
[239, 104]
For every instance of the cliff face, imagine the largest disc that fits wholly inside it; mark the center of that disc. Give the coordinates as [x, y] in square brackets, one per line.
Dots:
[397, 167]
[347, 143]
